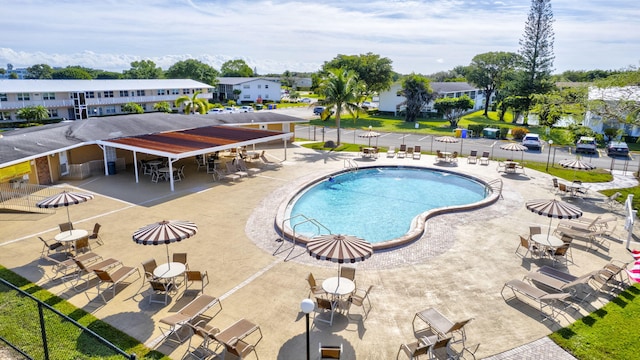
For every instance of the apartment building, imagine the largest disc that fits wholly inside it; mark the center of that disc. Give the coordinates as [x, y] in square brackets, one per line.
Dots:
[82, 99]
[250, 89]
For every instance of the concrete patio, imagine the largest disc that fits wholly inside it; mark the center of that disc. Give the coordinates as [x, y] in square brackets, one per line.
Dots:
[459, 266]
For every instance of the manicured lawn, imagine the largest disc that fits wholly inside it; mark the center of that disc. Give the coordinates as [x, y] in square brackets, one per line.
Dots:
[610, 333]
[20, 325]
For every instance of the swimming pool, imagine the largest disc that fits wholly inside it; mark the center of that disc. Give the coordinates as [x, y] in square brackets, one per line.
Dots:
[383, 205]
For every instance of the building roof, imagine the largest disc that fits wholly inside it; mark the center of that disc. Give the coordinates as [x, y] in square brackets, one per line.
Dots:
[38, 86]
[242, 80]
[452, 86]
[29, 143]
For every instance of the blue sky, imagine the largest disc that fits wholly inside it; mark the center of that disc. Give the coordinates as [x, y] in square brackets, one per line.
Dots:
[422, 36]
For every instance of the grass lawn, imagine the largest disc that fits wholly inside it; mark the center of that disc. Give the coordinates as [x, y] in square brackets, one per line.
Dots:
[20, 326]
[611, 332]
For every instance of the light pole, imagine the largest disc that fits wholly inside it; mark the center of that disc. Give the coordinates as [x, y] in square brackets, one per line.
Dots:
[307, 306]
[549, 155]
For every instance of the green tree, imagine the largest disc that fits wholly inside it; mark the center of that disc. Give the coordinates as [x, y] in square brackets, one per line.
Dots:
[236, 68]
[143, 69]
[108, 75]
[372, 70]
[453, 108]
[194, 70]
[536, 50]
[193, 104]
[33, 113]
[162, 106]
[548, 107]
[71, 72]
[132, 108]
[418, 92]
[39, 71]
[340, 91]
[517, 105]
[489, 71]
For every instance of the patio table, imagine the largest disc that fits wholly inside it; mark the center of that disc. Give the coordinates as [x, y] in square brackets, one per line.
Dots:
[169, 271]
[70, 237]
[438, 322]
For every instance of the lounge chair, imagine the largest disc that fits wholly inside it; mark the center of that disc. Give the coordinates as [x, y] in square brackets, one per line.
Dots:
[66, 269]
[402, 152]
[111, 280]
[414, 349]
[541, 297]
[231, 169]
[473, 157]
[410, 151]
[417, 152]
[234, 338]
[202, 351]
[575, 286]
[438, 324]
[454, 157]
[242, 166]
[218, 175]
[589, 236]
[612, 200]
[188, 313]
[88, 269]
[328, 352]
[484, 159]
[391, 152]
[267, 162]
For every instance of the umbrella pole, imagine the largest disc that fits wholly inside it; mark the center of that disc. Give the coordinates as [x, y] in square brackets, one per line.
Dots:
[69, 220]
[168, 262]
[549, 231]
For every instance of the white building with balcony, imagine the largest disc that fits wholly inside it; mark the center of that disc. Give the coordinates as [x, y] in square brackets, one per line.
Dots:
[81, 99]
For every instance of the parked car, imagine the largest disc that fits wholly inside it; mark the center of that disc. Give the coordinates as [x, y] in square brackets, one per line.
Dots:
[230, 110]
[586, 144]
[370, 105]
[617, 148]
[532, 141]
[216, 111]
[305, 100]
[318, 110]
[246, 109]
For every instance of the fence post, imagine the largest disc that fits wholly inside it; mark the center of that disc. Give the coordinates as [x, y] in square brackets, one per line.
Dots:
[43, 332]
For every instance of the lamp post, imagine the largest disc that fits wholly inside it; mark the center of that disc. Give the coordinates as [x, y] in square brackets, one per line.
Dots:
[307, 306]
[549, 155]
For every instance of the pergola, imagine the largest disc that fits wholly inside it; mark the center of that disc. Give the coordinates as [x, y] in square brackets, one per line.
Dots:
[176, 145]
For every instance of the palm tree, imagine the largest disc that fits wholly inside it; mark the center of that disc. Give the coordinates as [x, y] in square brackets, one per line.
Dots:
[33, 113]
[193, 104]
[340, 90]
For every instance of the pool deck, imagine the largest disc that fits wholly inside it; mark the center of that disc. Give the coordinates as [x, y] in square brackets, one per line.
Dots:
[459, 266]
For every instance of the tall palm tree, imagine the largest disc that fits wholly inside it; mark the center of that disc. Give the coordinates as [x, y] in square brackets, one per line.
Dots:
[193, 103]
[340, 90]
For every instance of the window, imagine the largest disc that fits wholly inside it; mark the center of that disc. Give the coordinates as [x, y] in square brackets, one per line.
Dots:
[458, 94]
[90, 95]
[259, 86]
[162, 92]
[5, 115]
[124, 93]
[108, 94]
[140, 93]
[246, 86]
[53, 113]
[175, 91]
[472, 94]
[110, 109]
[246, 96]
[266, 86]
[48, 96]
[3, 97]
[186, 91]
[23, 96]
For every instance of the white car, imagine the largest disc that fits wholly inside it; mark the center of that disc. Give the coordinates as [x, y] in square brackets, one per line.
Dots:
[216, 111]
[370, 105]
[532, 141]
[229, 110]
[246, 109]
[305, 100]
[586, 144]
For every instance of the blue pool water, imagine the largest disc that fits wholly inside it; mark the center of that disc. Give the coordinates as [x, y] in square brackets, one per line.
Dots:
[379, 204]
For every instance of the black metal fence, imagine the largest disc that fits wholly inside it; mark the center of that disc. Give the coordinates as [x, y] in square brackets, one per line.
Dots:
[41, 332]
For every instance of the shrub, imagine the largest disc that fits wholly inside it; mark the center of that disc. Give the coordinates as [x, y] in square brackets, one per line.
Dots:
[519, 133]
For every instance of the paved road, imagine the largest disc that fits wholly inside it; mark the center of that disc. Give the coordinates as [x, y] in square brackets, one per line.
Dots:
[427, 142]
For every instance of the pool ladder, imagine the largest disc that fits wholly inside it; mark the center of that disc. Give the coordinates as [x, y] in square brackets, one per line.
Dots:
[303, 220]
[496, 186]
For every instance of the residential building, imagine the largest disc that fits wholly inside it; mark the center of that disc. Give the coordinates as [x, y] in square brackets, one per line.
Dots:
[81, 99]
[390, 100]
[251, 89]
[617, 100]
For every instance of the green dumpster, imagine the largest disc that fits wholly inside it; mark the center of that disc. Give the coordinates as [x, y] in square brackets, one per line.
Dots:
[491, 133]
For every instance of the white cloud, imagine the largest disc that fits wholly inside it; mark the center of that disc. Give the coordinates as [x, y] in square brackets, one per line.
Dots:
[272, 36]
